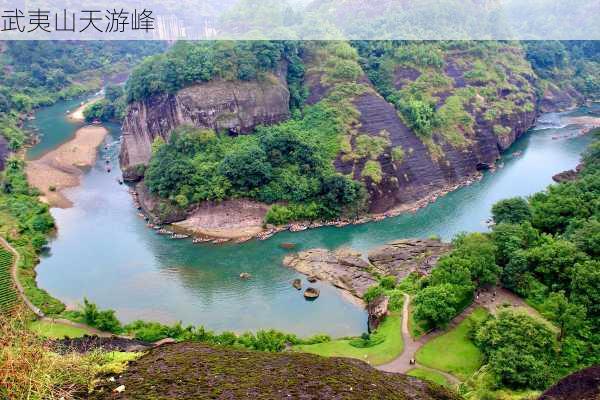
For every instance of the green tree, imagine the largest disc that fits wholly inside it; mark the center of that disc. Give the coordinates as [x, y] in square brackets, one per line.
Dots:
[480, 251]
[512, 211]
[552, 261]
[167, 172]
[586, 236]
[113, 92]
[437, 305]
[517, 348]
[567, 316]
[247, 169]
[585, 282]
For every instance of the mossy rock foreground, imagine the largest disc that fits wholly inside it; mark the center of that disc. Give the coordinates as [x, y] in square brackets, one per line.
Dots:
[197, 371]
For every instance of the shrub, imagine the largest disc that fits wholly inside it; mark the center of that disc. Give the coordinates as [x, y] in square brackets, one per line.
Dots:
[511, 211]
[372, 170]
[388, 282]
[372, 293]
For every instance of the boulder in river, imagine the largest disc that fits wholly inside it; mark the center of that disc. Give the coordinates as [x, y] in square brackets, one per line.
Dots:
[245, 276]
[343, 268]
[377, 310]
[297, 283]
[311, 293]
[348, 269]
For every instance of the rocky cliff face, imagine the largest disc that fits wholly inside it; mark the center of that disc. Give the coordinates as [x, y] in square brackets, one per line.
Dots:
[555, 99]
[3, 152]
[410, 167]
[235, 107]
[435, 164]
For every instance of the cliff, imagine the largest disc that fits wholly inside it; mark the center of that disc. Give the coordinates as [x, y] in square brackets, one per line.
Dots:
[235, 107]
[500, 111]
[484, 99]
[190, 370]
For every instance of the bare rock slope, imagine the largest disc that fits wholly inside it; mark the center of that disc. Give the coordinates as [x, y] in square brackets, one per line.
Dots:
[348, 270]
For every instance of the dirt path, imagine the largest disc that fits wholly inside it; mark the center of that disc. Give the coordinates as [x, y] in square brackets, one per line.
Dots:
[492, 300]
[40, 314]
[13, 270]
[402, 363]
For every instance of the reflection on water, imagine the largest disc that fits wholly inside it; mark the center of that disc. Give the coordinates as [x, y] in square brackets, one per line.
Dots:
[104, 251]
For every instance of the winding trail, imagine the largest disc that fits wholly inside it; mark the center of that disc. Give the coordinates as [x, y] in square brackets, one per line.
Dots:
[39, 313]
[402, 363]
[492, 300]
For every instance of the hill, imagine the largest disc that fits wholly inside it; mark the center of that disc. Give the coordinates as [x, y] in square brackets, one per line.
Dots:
[197, 371]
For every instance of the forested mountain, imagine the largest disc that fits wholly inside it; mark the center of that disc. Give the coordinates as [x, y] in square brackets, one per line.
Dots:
[389, 123]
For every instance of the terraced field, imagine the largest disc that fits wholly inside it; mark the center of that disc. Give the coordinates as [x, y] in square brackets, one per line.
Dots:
[8, 293]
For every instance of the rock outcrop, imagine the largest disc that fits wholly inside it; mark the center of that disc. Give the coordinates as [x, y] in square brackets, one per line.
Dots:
[348, 270]
[192, 370]
[426, 167]
[568, 175]
[235, 107]
[377, 310]
[401, 257]
[422, 170]
[555, 99]
[581, 385]
[344, 268]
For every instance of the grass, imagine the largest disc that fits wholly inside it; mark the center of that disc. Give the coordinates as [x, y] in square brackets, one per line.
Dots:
[429, 375]
[415, 328]
[8, 294]
[378, 354]
[56, 331]
[30, 369]
[454, 352]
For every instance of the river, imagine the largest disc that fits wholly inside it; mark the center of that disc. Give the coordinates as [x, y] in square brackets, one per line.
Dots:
[104, 251]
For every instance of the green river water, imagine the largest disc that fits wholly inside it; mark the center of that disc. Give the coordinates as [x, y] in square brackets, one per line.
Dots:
[104, 251]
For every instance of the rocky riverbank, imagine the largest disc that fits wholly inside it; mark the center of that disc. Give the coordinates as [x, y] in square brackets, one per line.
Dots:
[354, 272]
[241, 220]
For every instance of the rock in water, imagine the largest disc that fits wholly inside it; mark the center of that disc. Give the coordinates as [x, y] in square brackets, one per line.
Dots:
[377, 310]
[287, 245]
[245, 276]
[311, 293]
[344, 269]
[297, 283]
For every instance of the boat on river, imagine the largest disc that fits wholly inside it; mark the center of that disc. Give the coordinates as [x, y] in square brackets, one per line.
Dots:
[311, 293]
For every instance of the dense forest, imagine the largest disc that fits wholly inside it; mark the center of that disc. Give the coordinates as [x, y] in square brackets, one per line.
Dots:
[290, 162]
[34, 74]
[545, 249]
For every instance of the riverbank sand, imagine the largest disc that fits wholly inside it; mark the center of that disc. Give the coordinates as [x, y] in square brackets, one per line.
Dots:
[62, 167]
[77, 115]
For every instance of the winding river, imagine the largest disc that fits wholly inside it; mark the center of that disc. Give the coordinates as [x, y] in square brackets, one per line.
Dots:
[104, 251]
